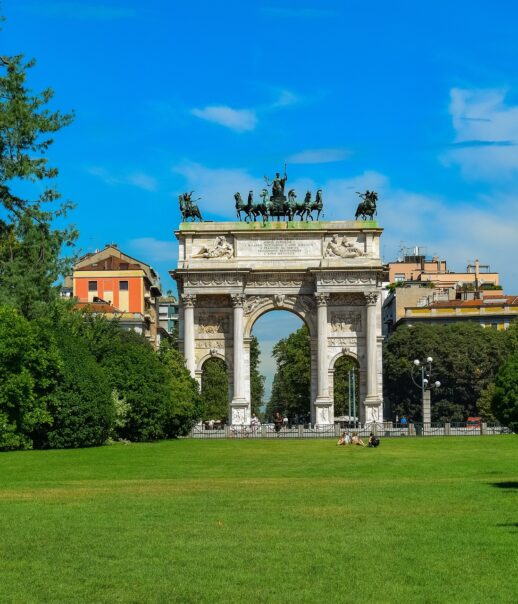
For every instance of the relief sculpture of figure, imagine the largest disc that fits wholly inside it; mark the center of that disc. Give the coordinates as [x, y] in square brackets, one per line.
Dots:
[342, 249]
[220, 249]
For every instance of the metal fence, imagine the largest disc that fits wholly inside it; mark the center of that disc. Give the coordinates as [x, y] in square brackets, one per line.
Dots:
[386, 430]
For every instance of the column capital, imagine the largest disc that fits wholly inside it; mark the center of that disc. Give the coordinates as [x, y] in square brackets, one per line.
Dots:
[321, 298]
[189, 300]
[371, 298]
[238, 300]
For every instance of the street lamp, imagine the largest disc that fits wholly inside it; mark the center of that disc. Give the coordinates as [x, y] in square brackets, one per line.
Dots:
[425, 385]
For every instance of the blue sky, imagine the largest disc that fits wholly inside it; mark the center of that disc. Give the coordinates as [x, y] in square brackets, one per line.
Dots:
[415, 99]
[418, 100]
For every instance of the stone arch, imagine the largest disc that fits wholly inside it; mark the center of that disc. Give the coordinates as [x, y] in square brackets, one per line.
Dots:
[326, 273]
[267, 304]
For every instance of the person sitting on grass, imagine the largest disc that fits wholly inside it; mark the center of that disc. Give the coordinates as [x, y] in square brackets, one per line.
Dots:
[345, 439]
[356, 440]
[373, 441]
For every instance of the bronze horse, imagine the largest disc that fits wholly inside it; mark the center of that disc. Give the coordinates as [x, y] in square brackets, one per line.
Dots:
[188, 208]
[367, 207]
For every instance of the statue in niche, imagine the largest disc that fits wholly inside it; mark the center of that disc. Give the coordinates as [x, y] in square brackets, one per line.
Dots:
[220, 249]
[342, 248]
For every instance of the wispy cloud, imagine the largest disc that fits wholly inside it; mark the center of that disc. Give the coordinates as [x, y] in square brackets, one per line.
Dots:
[244, 120]
[319, 156]
[486, 134]
[135, 179]
[154, 250]
[79, 10]
[239, 120]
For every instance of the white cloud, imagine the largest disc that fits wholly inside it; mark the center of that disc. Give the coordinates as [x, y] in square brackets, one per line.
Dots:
[135, 179]
[486, 134]
[239, 120]
[154, 250]
[319, 156]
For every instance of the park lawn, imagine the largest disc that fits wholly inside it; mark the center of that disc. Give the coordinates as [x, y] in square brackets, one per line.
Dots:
[417, 520]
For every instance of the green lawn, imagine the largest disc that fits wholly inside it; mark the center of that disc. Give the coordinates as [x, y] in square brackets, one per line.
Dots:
[417, 520]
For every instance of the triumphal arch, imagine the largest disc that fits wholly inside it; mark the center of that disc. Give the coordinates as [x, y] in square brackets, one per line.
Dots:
[327, 273]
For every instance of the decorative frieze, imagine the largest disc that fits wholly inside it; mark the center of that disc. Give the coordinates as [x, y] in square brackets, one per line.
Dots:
[213, 302]
[352, 299]
[211, 323]
[346, 321]
[211, 280]
[347, 278]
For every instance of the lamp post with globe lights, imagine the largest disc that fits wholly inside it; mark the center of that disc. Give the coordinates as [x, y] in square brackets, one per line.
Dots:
[425, 384]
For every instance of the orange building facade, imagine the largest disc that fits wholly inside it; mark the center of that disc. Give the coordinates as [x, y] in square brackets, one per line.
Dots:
[128, 286]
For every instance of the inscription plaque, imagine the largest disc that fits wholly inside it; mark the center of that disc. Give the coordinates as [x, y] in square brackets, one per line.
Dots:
[269, 247]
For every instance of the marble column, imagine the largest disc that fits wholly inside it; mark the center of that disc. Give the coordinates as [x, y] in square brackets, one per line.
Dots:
[188, 301]
[323, 403]
[239, 407]
[372, 399]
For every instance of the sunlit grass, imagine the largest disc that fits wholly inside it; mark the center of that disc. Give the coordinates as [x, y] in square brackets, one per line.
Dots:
[422, 520]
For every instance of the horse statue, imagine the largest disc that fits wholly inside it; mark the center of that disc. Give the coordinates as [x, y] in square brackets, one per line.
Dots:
[313, 206]
[367, 207]
[188, 208]
[242, 207]
[263, 207]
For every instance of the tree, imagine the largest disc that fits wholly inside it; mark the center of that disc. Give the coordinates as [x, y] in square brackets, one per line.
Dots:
[256, 379]
[291, 383]
[185, 404]
[504, 404]
[214, 390]
[29, 247]
[137, 374]
[30, 368]
[466, 358]
[341, 385]
[82, 406]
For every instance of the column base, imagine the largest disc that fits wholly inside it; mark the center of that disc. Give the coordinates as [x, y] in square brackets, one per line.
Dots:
[373, 410]
[239, 412]
[324, 411]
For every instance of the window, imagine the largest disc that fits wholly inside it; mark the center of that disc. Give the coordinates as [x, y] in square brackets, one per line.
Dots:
[123, 286]
[398, 277]
[92, 286]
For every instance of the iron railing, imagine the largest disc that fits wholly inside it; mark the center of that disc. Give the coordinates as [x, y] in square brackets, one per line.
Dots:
[385, 429]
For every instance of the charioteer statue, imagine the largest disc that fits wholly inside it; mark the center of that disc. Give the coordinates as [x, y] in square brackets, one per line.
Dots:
[277, 186]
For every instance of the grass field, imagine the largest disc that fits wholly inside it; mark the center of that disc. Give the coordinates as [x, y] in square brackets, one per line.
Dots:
[417, 520]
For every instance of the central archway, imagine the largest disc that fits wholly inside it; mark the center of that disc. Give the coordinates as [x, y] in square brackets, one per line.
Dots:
[283, 339]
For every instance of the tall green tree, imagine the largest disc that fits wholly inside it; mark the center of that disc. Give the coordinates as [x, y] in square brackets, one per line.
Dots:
[185, 404]
[292, 381]
[30, 370]
[214, 390]
[30, 247]
[256, 379]
[343, 367]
